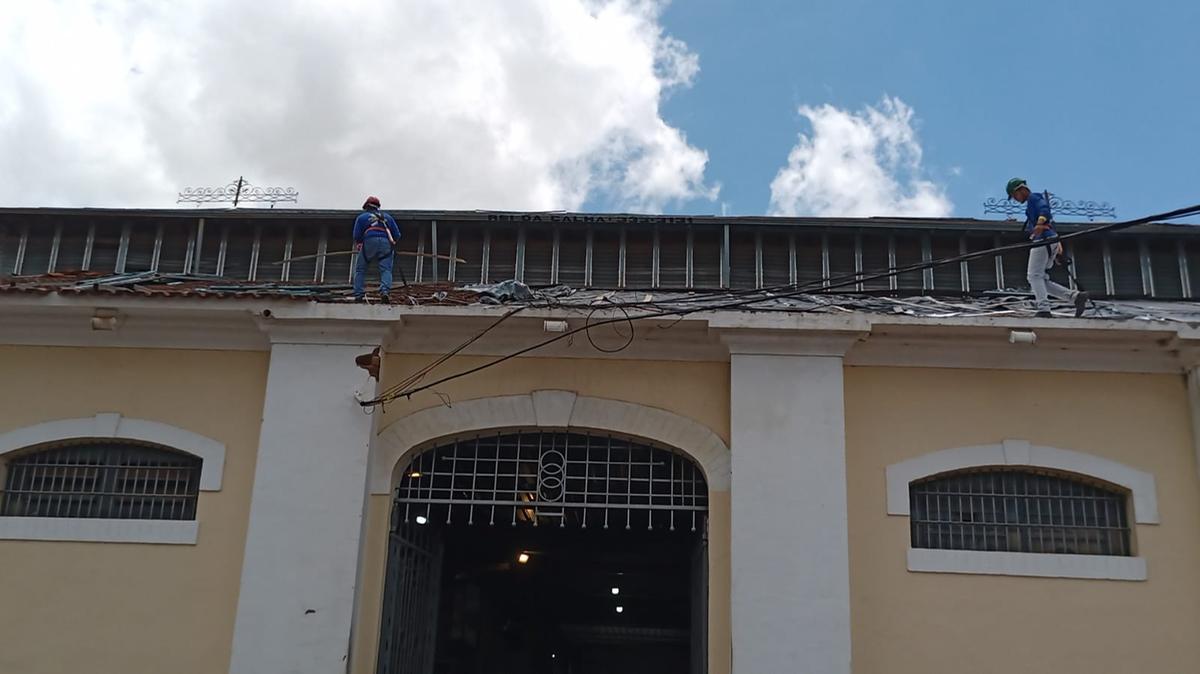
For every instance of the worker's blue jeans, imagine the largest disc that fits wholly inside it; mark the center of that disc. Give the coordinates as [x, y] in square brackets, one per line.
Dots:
[374, 249]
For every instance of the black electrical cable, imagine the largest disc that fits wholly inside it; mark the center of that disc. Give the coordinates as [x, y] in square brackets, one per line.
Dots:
[587, 330]
[1000, 250]
[820, 286]
[824, 286]
[417, 376]
[854, 278]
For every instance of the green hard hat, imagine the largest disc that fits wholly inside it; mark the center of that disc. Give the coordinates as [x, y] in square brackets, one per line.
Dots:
[1013, 185]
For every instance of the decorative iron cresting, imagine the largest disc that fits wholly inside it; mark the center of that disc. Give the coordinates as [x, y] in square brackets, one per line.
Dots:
[1083, 209]
[238, 191]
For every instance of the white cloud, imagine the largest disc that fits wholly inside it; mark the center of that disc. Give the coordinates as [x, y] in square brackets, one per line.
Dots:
[507, 104]
[857, 165]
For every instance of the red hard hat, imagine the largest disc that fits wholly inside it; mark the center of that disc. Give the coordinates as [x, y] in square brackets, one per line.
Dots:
[371, 201]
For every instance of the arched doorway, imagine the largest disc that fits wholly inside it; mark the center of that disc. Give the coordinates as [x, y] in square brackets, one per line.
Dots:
[546, 551]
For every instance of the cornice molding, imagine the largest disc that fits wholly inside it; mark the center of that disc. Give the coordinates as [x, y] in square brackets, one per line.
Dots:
[862, 339]
[72, 327]
[989, 347]
[754, 342]
[326, 331]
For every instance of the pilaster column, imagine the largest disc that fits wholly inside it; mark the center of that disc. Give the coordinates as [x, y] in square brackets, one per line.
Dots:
[300, 570]
[790, 559]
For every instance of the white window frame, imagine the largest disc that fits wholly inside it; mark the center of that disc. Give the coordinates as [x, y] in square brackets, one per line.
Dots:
[111, 425]
[1023, 454]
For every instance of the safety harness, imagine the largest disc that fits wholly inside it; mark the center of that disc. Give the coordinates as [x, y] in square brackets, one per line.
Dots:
[379, 224]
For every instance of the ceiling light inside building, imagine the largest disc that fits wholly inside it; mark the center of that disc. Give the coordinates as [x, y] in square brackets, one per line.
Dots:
[523, 558]
[620, 609]
[616, 590]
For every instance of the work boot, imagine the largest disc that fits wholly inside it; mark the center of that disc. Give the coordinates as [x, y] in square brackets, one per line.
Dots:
[358, 298]
[1043, 313]
[1081, 300]
[384, 299]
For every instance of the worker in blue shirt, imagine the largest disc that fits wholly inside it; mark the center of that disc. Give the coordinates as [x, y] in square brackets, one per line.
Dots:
[375, 237]
[1039, 226]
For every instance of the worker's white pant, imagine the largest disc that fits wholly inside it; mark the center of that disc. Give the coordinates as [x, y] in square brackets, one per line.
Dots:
[1041, 259]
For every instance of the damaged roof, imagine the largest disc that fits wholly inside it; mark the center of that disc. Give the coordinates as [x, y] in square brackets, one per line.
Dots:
[1005, 303]
[155, 284]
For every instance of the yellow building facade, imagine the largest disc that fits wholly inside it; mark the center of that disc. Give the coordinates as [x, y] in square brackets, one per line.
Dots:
[115, 606]
[819, 441]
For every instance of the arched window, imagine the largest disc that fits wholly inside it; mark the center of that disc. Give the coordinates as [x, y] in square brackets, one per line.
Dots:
[577, 479]
[107, 479]
[1019, 510]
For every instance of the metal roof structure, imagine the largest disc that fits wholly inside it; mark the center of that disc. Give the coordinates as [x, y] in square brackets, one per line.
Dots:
[586, 251]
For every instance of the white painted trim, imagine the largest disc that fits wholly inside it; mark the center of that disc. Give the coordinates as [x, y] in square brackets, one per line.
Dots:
[307, 507]
[169, 532]
[158, 323]
[113, 425]
[789, 550]
[1101, 567]
[790, 342]
[548, 409]
[327, 331]
[1022, 453]
[1193, 388]
[975, 353]
[1064, 344]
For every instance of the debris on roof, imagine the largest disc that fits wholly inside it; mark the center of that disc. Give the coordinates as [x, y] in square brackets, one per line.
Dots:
[156, 284]
[499, 293]
[1014, 303]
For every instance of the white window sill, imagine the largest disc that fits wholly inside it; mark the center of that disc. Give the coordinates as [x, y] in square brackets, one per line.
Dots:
[169, 532]
[1101, 567]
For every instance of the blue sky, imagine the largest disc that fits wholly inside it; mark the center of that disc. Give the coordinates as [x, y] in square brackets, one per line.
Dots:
[1092, 100]
[691, 106]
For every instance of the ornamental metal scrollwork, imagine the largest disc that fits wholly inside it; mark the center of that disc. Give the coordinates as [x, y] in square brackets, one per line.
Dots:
[1085, 209]
[551, 474]
[565, 479]
[238, 191]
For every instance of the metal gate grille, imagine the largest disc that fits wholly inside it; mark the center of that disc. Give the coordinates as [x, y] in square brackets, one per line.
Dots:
[553, 478]
[1018, 511]
[102, 480]
[410, 599]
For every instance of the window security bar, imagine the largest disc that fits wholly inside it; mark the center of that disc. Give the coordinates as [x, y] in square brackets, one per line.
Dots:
[102, 480]
[1018, 511]
[541, 478]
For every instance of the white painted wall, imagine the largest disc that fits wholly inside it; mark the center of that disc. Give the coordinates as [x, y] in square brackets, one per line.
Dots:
[790, 559]
[300, 571]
